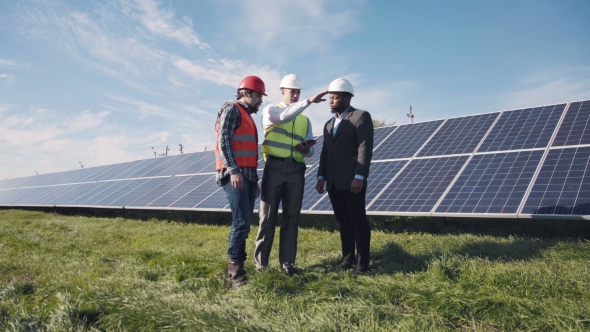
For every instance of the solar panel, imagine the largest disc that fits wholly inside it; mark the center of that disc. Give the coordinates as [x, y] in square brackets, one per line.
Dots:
[49, 193]
[3, 195]
[79, 189]
[205, 188]
[380, 134]
[118, 191]
[78, 174]
[190, 159]
[492, 183]
[406, 140]
[89, 173]
[113, 172]
[134, 167]
[162, 167]
[575, 129]
[562, 186]
[315, 159]
[93, 189]
[136, 192]
[40, 180]
[107, 191]
[3, 183]
[142, 171]
[214, 199]
[194, 197]
[189, 184]
[98, 172]
[19, 195]
[163, 188]
[61, 191]
[523, 129]
[428, 168]
[419, 186]
[310, 194]
[459, 135]
[206, 163]
[33, 195]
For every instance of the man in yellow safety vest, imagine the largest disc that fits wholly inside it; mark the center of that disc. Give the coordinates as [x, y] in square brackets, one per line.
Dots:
[288, 139]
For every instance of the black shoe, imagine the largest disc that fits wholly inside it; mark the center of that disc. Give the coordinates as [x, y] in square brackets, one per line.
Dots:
[361, 271]
[290, 271]
[345, 266]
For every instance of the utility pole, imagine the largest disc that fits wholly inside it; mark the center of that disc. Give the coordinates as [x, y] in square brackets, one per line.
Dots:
[155, 153]
[167, 150]
[180, 148]
[411, 116]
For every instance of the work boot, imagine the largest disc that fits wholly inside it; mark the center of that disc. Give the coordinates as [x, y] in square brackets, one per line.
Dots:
[236, 273]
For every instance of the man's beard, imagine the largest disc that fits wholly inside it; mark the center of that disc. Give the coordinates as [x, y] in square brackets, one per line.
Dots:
[253, 109]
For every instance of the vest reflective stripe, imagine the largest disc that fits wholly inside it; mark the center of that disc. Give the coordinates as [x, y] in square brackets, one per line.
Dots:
[284, 132]
[244, 142]
[280, 139]
[245, 138]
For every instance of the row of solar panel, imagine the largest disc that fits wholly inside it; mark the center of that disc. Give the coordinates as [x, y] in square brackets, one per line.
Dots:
[418, 188]
[483, 184]
[510, 130]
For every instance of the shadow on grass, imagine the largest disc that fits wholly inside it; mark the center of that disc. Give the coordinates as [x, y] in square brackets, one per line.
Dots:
[537, 228]
[393, 258]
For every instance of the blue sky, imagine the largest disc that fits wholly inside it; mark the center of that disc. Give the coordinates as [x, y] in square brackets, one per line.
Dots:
[101, 82]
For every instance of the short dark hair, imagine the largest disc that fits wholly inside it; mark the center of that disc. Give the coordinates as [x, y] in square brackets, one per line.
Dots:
[240, 93]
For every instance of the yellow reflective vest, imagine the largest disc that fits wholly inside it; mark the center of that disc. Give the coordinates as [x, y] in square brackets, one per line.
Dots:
[279, 140]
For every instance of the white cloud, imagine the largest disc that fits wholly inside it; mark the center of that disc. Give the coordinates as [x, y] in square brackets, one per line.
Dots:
[7, 77]
[6, 107]
[550, 86]
[86, 120]
[230, 72]
[112, 45]
[307, 26]
[7, 63]
[164, 22]
[196, 110]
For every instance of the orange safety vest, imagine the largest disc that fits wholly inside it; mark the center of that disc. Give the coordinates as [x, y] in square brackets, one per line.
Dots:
[244, 143]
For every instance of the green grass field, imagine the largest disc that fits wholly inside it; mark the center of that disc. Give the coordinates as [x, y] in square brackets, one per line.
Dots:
[68, 273]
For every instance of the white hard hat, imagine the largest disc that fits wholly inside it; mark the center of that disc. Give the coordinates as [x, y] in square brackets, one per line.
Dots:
[291, 81]
[341, 85]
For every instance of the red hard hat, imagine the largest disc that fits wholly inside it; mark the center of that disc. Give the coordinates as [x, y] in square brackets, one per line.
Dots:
[253, 83]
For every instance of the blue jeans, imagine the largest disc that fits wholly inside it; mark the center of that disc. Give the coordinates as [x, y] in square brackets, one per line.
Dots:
[241, 203]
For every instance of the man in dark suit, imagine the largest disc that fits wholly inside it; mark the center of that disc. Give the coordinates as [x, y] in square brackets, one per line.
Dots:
[343, 171]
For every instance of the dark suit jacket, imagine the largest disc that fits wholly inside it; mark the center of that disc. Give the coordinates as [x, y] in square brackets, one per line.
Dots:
[349, 152]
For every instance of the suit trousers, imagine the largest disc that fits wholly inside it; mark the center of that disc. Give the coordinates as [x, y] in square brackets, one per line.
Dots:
[282, 182]
[349, 210]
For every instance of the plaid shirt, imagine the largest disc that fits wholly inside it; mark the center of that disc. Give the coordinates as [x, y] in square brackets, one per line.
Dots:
[229, 120]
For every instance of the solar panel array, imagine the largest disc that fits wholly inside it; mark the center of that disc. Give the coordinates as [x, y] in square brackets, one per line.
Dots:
[526, 163]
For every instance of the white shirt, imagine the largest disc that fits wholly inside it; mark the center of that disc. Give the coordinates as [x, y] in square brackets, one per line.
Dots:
[338, 119]
[273, 115]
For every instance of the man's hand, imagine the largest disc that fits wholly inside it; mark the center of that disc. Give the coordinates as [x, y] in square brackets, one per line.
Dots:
[304, 147]
[237, 181]
[356, 186]
[320, 186]
[317, 98]
[257, 190]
